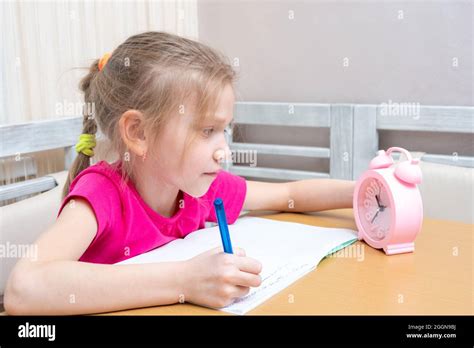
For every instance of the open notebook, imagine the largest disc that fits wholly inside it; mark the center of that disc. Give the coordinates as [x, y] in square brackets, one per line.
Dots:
[286, 250]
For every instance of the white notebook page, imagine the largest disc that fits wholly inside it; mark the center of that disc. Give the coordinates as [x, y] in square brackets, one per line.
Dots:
[287, 251]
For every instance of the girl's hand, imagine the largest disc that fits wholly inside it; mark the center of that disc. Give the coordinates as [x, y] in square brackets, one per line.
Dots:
[215, 278]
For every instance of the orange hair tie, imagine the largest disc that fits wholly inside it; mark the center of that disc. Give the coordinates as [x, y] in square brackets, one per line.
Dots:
[103, 60]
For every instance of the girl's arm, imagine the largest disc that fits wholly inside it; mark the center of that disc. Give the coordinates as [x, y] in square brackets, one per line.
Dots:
[54, 282]
[299, 196]
[71, 287]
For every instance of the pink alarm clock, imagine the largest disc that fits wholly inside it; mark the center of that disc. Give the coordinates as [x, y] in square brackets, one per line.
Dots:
[387, 203]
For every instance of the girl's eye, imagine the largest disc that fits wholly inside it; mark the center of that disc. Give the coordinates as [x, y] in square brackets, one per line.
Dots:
[208, 131]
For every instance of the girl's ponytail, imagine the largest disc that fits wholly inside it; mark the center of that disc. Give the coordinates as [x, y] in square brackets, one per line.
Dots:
[82, 160]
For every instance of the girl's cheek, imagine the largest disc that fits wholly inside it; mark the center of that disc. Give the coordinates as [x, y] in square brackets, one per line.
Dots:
[197, 154]
[204, 149]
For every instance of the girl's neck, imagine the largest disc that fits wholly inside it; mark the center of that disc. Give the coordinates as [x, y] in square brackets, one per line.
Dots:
[163, 201]
[157, 194]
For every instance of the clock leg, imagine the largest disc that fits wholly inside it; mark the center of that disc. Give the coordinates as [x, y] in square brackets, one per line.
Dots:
[400, 248]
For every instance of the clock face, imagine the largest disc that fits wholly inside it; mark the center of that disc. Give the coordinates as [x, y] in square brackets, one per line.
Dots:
[375, 212]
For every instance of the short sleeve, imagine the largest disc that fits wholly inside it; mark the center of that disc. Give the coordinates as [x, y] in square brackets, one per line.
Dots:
[232, 189]
[102, 195]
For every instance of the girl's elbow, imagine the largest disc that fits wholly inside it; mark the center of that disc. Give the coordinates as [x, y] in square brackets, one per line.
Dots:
[11, 306]
[15, 300]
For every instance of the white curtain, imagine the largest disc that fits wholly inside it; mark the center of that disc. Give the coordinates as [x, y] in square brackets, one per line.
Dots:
[42, 44]
[43, 41]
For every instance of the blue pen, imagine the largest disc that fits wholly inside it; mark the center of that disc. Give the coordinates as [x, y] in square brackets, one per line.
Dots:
[223, 227]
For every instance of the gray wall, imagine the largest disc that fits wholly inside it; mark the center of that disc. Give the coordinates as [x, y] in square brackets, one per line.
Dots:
[409, 59]
[390, 59]
[301, 60]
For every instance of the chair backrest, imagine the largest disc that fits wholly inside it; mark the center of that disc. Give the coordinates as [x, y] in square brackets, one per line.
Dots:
[368, 120]
[353, 132]
[297, 115]
[353, 129]
[26, 138]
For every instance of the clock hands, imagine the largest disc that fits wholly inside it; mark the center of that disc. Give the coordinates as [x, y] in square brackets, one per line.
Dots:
[380, 208]
[377, 198]
[377, 213]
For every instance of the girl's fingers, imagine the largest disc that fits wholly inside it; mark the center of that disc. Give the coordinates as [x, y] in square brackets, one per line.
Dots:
[241, 291]
[219, 249]
[247, 264]
[215, 250]
[247, 279]
[239, 252]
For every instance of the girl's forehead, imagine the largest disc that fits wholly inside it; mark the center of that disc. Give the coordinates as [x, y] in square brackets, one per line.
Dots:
[221, 118]
[217, 109]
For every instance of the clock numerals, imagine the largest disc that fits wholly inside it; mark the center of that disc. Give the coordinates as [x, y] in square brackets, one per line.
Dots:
[378, 231]
[372, 190]
[374, 206]
[369, 216]
[382, 232]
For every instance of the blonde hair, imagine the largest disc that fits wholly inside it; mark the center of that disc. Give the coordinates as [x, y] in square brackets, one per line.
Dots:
[153, 72]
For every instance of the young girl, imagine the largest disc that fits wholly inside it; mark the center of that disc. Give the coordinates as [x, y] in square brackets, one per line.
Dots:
[164, 102]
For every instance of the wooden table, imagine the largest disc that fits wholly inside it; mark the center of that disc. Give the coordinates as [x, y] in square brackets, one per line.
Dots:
[436, 279]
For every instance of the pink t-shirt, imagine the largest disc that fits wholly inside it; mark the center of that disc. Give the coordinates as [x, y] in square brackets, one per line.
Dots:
[127, 226]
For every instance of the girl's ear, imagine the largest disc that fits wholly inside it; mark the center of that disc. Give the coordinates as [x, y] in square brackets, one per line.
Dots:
[132, 131]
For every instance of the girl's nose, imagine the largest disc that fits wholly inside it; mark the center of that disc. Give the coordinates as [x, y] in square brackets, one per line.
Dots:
[219, 156]
[222, 155]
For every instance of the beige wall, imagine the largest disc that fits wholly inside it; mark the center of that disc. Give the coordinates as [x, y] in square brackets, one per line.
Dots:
[398, 51]
[301, 59]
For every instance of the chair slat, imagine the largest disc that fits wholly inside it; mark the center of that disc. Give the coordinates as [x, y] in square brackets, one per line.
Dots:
[277, 174]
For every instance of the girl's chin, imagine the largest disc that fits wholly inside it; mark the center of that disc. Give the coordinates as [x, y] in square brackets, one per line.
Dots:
[202, 186]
